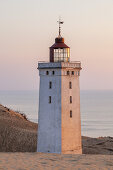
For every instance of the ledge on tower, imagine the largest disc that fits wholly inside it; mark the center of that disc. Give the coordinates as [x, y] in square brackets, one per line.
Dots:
[73, 64]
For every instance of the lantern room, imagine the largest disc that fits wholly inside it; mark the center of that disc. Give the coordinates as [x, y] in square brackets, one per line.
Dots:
[59, 51]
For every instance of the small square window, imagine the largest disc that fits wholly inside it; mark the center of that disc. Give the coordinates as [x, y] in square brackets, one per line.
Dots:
[49, 99]
[47, 72]
[67, 72]
[70, 99]
[53, 72]
[70, 113]
[72, 72]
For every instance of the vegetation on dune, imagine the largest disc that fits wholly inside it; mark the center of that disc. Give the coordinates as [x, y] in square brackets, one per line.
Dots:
[17, 140]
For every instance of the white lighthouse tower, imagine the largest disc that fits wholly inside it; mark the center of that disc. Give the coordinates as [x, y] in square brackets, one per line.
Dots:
[59, 124]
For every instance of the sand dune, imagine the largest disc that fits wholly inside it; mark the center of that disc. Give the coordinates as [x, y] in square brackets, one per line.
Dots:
[20, 135]
[16, 133]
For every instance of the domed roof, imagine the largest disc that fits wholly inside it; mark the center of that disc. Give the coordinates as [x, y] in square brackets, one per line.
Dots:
[59, 43]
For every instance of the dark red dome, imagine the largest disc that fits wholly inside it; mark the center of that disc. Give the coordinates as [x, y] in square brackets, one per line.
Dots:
[59, 43]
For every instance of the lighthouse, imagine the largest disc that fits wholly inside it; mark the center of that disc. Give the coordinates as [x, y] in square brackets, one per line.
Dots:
[59, 123]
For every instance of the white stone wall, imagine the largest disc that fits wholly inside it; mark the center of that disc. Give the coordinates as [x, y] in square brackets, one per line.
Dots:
[57, 132]
[49, 117]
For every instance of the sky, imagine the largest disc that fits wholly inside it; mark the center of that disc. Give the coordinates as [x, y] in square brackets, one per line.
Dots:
[29, 27]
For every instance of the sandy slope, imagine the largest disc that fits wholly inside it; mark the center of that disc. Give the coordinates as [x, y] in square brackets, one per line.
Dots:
[16, 133]
[19, 135]
[101, 145]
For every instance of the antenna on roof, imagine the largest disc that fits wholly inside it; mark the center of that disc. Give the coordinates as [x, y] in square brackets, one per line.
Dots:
[60, 22]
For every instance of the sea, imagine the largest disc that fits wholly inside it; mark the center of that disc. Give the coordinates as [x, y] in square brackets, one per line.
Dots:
[96, 109]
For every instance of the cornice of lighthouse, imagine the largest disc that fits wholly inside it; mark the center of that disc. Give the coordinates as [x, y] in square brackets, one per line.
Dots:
[45, 65]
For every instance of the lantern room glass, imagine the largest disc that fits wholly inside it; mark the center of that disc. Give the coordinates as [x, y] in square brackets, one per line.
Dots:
[61, 55]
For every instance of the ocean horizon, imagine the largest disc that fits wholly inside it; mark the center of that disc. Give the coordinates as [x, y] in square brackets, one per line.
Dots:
[96, 109]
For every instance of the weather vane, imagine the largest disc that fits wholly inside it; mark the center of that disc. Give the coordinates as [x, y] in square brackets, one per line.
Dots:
[60, 22]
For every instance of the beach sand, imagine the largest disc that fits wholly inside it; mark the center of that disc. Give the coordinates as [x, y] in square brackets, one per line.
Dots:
[33, 161]
[19, 136]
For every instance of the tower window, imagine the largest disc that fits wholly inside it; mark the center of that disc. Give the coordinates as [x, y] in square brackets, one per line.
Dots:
[78, 73]
[70, 99]
[70, 113]
[67, 72]
[70, 85]
[47, 72]
[53, 72]
[72, 72]
[50, 85]
[49, 99]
